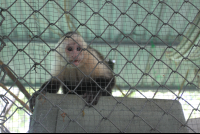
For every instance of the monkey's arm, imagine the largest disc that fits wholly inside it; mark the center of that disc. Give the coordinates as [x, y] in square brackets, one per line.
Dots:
[51, 86]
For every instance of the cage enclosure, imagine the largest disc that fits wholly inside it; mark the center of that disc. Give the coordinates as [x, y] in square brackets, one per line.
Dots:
[99, 66]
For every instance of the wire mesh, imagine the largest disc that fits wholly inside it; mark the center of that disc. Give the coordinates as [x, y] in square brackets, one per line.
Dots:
[153, 48]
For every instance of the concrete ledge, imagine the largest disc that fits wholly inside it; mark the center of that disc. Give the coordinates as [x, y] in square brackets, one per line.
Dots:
[194, 123]
[68, 113]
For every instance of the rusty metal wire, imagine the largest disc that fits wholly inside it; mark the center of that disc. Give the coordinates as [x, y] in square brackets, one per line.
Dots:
[176, 50]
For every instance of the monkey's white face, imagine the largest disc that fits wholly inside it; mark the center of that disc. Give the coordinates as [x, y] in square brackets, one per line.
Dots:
[74, 53]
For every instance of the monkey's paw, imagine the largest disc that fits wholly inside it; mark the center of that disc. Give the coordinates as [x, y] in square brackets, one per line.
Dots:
[33, 99]
[91, 97]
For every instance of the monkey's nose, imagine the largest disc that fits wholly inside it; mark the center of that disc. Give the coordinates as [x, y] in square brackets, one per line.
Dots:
[75, 56]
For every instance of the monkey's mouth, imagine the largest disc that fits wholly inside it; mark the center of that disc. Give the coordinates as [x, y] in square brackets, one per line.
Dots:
[75, 62]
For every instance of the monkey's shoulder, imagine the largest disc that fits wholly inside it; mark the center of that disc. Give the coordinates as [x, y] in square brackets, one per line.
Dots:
[97, 55]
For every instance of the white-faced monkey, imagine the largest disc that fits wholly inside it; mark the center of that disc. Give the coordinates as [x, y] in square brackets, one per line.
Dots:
[78, 69]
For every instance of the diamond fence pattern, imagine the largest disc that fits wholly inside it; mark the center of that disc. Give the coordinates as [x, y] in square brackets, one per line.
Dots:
[154, 46]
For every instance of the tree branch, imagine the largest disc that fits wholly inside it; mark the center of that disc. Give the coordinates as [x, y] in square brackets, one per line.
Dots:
[17, 82]
[20, 101]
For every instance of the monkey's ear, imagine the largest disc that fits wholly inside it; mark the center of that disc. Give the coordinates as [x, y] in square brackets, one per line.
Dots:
[111, 64]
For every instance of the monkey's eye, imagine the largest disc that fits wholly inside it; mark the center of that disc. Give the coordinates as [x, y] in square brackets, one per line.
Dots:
[69, 49]
[78, 49]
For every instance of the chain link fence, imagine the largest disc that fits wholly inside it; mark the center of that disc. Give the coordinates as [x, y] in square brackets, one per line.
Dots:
[153, 47]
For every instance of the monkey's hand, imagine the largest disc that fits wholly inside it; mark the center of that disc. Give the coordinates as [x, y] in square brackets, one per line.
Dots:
[33, 99]
[92, 97]
[51, 86]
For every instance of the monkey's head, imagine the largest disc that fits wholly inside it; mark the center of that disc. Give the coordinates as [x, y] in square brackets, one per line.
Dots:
[71, 48]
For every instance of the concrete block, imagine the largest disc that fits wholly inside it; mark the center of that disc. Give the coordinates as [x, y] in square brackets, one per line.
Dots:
[68, 113]
[194, 125]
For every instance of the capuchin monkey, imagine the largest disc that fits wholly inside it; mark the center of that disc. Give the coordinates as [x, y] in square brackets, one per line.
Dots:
[78, 69]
